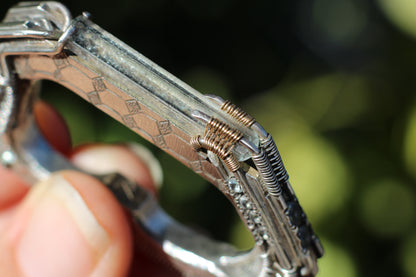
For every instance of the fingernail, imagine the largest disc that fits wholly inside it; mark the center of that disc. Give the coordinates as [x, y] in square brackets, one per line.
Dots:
[150, 160]
[131, 160]
[61, 234]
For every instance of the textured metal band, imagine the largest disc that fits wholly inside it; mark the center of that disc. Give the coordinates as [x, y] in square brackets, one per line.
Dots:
[233, 152]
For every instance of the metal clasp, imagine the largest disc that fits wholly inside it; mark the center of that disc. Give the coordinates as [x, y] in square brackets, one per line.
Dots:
[28, 28]
[31, 27]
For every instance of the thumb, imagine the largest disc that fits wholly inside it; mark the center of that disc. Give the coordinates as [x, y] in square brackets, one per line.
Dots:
[68, 225]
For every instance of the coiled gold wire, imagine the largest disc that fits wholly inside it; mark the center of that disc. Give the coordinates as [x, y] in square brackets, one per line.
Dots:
[220, 139]
[238, 113]
[232, 163]
[218, 147]
[216, 126]
[195, 142]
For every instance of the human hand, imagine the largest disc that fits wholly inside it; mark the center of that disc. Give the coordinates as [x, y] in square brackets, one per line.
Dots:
[72, 225]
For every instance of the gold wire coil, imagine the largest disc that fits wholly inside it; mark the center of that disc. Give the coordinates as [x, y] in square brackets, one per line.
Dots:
[222, 149]
[195, 142]
[232, 163]
[218, 148]
[220, 139]
[238, 113]
[222, 129]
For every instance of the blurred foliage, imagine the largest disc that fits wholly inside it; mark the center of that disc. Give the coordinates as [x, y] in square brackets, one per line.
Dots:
[402, 13]
[333, 81]
[338, 262]
[387, 208]
[408, 255]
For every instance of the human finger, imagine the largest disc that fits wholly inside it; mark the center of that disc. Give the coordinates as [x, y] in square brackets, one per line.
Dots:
[68, 225]
[131, 160]
[54, 129]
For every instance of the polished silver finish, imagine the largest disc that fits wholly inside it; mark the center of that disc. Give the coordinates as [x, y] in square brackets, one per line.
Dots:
[41, 41]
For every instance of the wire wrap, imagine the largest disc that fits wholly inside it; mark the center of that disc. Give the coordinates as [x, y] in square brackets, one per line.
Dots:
[220, 139]
[238, 113]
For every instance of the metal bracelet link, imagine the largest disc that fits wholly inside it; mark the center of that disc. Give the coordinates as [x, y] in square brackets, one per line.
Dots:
[30, 27]
[39, 40]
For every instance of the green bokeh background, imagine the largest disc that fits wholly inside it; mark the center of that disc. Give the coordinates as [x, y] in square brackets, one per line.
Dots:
[333, 81]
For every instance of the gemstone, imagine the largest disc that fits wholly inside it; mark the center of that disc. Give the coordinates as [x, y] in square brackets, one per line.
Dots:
[7, 158]
[245, 203]
[250, 225]
[259, 241]
[263, 234]
[234, 186]
[255, 217]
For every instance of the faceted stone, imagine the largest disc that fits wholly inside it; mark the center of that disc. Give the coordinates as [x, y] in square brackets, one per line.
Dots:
[234, 186]
[263, 233]
[255, 217]
[245, 203]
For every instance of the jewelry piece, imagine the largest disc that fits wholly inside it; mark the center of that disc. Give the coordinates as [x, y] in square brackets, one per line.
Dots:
[213, 137]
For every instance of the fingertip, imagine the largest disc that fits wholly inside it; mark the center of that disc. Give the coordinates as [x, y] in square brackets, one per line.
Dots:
[150, 161]
[53, 127]
[70, 224]
[113, 219]
[12, 188]
[105, 159]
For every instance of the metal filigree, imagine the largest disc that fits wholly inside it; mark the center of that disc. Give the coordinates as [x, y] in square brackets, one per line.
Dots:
[39, 40]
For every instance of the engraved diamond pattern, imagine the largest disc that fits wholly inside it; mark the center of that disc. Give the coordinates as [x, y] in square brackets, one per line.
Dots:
[107, 97]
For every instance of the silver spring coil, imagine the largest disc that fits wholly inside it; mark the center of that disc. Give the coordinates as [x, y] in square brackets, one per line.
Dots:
[275, 159]
[267, 173]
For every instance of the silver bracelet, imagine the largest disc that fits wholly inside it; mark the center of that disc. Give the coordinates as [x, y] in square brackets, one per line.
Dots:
[213, 137]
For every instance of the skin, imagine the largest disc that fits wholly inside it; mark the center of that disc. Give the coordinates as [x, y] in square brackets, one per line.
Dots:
[71, 225]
